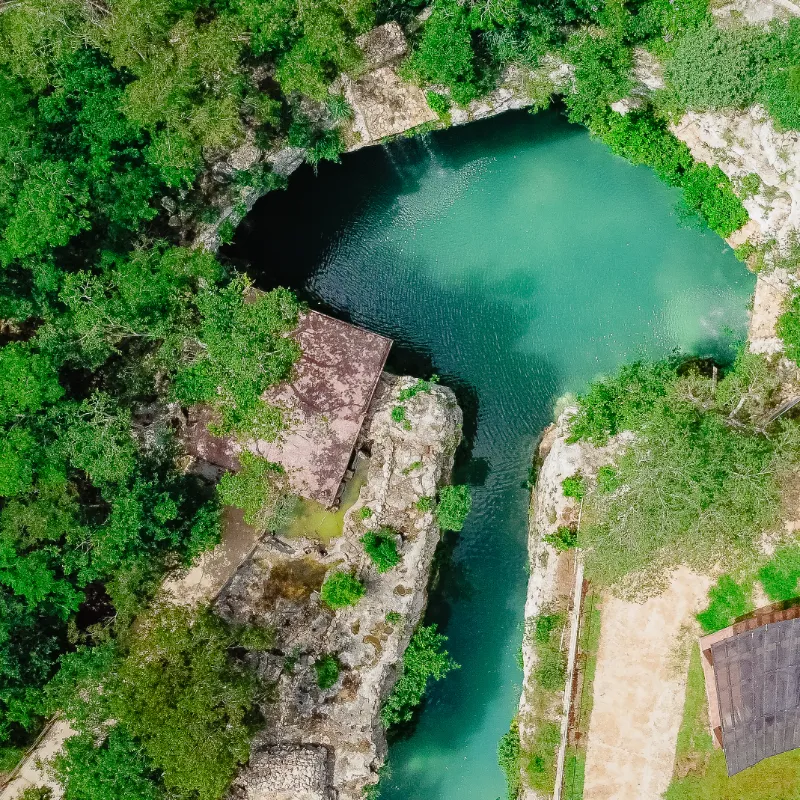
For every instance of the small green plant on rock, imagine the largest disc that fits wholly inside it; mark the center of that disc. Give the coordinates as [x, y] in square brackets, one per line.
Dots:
[365, 512]
[327, 669]
[341, 589]
[509, 759]
[438, 103]
[399, 416]
[455, 503]
[417, 388]
[562, 539]
[393, 617]
[382, 548]
[424, 504]
[412, 467]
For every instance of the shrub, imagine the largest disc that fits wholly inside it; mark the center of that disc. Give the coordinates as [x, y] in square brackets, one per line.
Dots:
[551, 668]
[365, 512]
[341, 589]
[728, 600]
[327, 669]
[712, 68]
[509, 759]
[563, 539]
[621, 401]
[339, 108]
[381, 548]
[254, 637]
[574, 487]
[438, 103]
[37, 793]
[789, 327]
[696, 488]
[455, 503]
[424, 658]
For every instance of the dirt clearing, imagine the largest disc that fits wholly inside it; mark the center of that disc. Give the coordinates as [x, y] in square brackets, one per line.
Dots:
[639, 690]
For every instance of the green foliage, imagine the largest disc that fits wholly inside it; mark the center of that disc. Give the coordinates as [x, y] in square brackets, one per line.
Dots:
[438, 103]
[788, 327]
[455, 503]
[551, 666]
[697, 489]
[445, 54]
[327, 670]
[728, 600]
[607, 480]
[341, 589]
[365, 512]
[423, 659]
[779, 576]
[563, 539]
[540, 761]
[421, 386]
[642, 139]
[621, 402]
[116, 769]
[509, 758]
[381, 547]
[574, 486]
[712, 68]
[257, 488]
[424, 504]
[180, 694]
[242, 351]
[602, 66]
[398, 414]
[393, 617]
[37, 793]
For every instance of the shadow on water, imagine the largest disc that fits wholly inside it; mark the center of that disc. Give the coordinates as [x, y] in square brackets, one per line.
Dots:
[517, 260]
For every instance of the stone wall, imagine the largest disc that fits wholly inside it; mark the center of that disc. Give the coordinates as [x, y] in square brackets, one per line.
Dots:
[280, 586]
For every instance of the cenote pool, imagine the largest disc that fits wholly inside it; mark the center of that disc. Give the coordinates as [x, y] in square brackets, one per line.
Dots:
[518, 259]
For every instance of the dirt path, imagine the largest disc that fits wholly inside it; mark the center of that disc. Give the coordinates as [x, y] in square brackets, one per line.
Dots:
[639, 691]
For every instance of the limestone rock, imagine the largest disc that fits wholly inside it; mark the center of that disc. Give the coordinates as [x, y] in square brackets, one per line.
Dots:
[745, 143]
[244, 157]
[754, 12]
[285, 772]
[280, 586]
[382, 45]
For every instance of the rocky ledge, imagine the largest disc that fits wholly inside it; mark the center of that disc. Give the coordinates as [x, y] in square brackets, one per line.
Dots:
[552, 573]
[328, 744]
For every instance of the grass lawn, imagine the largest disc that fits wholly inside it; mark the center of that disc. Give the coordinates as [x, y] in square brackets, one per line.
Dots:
[700, 769]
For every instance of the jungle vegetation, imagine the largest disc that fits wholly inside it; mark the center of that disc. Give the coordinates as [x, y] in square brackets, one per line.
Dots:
[111, 116]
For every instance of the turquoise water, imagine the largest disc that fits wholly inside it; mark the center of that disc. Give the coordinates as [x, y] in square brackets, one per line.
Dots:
[518, 259]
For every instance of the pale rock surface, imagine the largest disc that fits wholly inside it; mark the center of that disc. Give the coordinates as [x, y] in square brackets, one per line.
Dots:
[742, 143]
[279, 587]
[753, 12]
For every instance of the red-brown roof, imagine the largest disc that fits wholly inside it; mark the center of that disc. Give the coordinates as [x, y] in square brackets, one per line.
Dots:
[325, 404]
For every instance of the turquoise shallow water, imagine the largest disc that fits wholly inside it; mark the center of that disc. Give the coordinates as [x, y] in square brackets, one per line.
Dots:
[518, 259]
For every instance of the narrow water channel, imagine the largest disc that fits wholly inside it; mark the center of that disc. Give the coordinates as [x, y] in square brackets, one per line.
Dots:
[518, 259]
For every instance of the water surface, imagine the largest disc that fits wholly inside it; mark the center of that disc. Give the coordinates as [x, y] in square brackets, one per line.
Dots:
[518, 259]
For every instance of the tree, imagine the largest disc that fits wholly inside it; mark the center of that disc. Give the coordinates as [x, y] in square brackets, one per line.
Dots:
[424, 658]
[182, 695]
[258, 488]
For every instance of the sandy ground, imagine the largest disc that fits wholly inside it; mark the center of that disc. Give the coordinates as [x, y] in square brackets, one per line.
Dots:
[639, 690]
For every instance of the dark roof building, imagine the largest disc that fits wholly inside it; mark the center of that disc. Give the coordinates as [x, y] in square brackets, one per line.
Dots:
[325, 403]
[752, 672]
